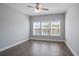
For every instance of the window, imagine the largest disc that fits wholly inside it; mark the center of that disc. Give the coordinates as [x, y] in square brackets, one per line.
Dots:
[55, 28]
[36, 28]
[46, 28]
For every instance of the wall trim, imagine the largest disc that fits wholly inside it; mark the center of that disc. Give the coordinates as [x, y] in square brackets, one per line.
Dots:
[74, 53]
[10, 46]
[48, 39]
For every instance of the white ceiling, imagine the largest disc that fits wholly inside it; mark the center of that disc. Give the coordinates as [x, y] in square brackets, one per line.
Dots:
[53, 8]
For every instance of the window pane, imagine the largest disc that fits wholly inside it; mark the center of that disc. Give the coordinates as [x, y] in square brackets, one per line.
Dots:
[36, 28]
[36, 32]
[46, 26]
[55, 28]
[36, 25]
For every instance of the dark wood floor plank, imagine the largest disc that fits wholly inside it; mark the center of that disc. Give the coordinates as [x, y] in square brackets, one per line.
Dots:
[38, 48]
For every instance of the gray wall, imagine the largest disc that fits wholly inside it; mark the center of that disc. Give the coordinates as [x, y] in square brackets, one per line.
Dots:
[72, 28]
[49, 18]
[14, 26]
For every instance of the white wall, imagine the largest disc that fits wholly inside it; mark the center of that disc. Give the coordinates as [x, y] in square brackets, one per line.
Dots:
[14, 25]
[72, 28]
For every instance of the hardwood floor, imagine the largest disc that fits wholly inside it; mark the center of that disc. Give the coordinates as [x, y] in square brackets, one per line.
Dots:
[38, 48]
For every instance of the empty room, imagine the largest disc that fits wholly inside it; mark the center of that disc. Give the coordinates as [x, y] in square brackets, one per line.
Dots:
[39, 29]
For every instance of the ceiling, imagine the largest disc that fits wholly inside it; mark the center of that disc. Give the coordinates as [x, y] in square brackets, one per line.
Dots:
[53, 8]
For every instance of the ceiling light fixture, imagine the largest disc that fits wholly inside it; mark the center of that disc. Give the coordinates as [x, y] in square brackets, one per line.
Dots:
[37, 10]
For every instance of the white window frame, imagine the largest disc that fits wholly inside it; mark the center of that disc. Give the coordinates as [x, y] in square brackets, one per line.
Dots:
[41, 28]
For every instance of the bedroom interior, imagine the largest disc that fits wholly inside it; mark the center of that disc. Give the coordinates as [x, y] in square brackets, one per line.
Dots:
[39, 29]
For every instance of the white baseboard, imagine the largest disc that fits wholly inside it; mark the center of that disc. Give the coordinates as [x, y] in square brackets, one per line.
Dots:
[48, 39]
[10, 46]
[70, 49]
